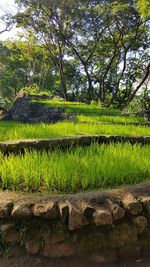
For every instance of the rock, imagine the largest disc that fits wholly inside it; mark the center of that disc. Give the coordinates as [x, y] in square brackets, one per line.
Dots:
[90, 240]
[53, 238]
[22, 210]
[5, 209]
[76, 218]
[117, 212]
[86, 208]
[32, 246]
[64, 211]
[59, 250]
[141, 223]
[105, 255]
[102, 217]
[48, 210]
[146, 202]
[12, 236]
[123, 235]
[6, 227]
[132, 205]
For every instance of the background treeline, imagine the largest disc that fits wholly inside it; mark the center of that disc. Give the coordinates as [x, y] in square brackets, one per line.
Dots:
[81, 50]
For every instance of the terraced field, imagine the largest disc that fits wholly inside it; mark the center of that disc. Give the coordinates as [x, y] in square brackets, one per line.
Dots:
[81, 168]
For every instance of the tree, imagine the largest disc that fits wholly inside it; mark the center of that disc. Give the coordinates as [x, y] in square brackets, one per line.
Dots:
[105, 41]
[47, 21]
[11, 72]
[23, 63]
[121, 53]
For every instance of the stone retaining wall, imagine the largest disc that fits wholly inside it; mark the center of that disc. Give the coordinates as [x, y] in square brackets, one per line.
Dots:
[66, 142]
[117, 123]
[106, 225]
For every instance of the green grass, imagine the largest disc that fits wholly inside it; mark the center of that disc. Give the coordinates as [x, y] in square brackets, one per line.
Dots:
[81, 108]
[80, 169]
[14, 130]
[83, 118]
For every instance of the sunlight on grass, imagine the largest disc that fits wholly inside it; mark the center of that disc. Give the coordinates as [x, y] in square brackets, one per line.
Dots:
[81, 108]
[83, 118]
[80, 169]
[15, 130]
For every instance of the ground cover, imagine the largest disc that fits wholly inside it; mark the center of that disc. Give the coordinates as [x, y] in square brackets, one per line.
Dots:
[90, 168]
[122, 119]
[15, 130]
[81, 108]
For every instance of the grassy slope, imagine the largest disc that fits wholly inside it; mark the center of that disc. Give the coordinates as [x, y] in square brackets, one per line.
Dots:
[94, 167]
[15, 130]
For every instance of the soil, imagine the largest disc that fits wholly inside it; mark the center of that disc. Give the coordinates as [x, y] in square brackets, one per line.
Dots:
[139, 191]
[28, 261]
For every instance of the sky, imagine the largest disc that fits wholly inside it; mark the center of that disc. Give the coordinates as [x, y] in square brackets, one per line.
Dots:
[7, 5]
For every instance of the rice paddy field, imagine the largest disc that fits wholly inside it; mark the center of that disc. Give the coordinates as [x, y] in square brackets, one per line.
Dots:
[15, 130]
[77, 169]
[80, 169]
[81, 108]
[116, 119]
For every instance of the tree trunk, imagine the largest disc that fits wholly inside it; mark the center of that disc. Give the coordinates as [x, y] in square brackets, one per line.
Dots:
[63, 82]
[61, 71]
[90, 87]
[102, 94]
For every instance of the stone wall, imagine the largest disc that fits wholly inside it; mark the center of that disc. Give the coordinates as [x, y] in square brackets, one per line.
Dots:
[66, 142]
[116, 123]
[106, 225]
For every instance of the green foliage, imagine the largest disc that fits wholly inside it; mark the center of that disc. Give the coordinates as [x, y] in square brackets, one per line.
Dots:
[144, 8]
[83, 118]
[15, 130]
[35, 90]
[141, 103]
[11, 71]
[97, 48]
[134, 106]
[81, 108]
[23, 64]
[80, 169]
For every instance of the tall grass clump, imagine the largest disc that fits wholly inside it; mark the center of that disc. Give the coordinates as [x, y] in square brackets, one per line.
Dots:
[78, 169]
